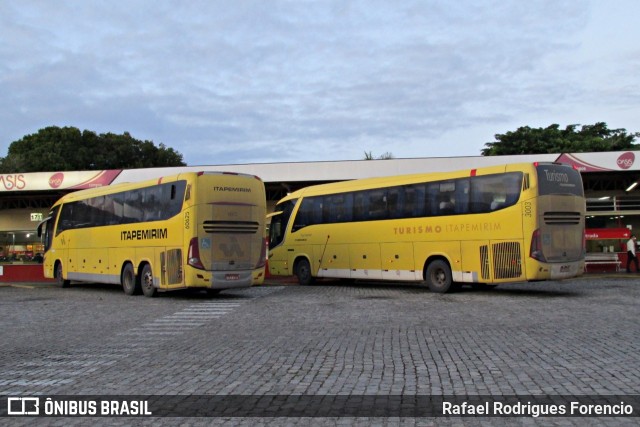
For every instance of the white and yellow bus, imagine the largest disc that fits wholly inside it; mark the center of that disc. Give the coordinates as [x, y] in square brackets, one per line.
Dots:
[509, 223]
[198, 229]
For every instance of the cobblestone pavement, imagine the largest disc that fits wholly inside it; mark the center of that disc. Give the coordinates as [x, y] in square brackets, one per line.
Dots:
[577, 337]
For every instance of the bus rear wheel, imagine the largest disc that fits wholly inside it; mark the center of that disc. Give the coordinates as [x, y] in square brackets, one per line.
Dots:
[146, 282]
[128, 281]
[438, 277]
[60, 278]
[303, 272]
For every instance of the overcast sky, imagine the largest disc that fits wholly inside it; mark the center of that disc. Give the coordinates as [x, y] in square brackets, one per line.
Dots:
[227, 82]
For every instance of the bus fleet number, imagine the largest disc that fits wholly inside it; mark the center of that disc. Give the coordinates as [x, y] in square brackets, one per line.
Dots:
[186, 220]
[528, 210]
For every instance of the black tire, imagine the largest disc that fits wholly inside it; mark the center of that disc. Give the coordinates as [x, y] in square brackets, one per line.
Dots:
[59, 277]
[146, 282]
[128, 280]
[438, 277]
[212, 292]
[303, 272]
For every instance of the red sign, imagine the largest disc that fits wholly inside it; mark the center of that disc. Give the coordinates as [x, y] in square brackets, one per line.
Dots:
[13, 181]
[625, 161]
[607, 233]
[56, 180]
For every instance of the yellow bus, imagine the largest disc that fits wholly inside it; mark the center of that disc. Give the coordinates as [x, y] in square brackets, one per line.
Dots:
[509, 223]
[192, 230]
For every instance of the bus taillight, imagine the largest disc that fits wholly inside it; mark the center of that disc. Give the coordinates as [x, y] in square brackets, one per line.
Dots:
[194, 254]
[536, 246]
[263, 254]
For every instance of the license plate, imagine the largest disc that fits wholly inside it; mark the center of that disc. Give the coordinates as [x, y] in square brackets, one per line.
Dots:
[232, 276]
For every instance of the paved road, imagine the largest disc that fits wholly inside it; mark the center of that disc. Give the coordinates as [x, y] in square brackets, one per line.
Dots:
[577, 337]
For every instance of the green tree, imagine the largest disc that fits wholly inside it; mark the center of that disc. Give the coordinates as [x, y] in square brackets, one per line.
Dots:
[552, 139]
[385, 156]
[63, 149]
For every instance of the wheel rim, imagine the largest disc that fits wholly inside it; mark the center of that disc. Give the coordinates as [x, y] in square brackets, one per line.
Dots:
[147, 280]
[439, 277]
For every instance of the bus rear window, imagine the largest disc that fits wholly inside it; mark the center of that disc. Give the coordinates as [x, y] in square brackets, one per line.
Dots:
[559, 179]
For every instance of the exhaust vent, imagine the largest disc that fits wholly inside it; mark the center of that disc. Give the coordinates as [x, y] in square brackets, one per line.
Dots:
[236, 227]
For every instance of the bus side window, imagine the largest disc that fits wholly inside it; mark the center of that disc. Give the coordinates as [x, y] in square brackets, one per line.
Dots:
[395, 196]
[461, 196]
[446, 204]
[414, 201]
[337, 208]
[513, 186]
[133, 207]
[446, 198]
[432, 202]
[377, 204]
[359, 206]
[151, 203]
[305, 215]
[481, 201]
[498, 191]
[117, 201]
[81, 214]
[110, 217]
[174, 204]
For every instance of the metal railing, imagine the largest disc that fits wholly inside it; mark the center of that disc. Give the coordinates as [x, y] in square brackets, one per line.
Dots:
[613, 204]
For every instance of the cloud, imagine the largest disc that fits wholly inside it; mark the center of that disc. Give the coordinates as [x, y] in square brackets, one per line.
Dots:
[258, 81]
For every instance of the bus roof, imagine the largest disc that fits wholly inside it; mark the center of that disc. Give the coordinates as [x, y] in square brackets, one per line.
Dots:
[387, 181]
[124, 186]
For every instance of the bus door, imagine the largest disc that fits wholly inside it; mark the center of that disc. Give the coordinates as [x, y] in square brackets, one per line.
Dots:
[279, 262]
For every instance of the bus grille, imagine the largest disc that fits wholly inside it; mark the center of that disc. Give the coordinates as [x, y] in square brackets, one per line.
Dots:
[171, 266]
[562, 218]
[238, 227]
[484, 262]
[507, 262]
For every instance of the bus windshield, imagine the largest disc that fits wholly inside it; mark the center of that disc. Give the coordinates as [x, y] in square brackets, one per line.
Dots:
[559, 179]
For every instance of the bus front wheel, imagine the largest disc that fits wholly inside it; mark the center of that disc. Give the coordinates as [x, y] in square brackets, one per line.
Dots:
[438, 276]
[128, 281]
[146, 281]
[303, 272]
[60, 278]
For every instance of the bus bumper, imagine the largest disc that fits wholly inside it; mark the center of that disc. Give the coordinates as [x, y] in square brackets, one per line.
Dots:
[219, 279]
[566, 271]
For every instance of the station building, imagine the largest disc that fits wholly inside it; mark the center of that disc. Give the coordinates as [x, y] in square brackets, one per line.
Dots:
[610, 184]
